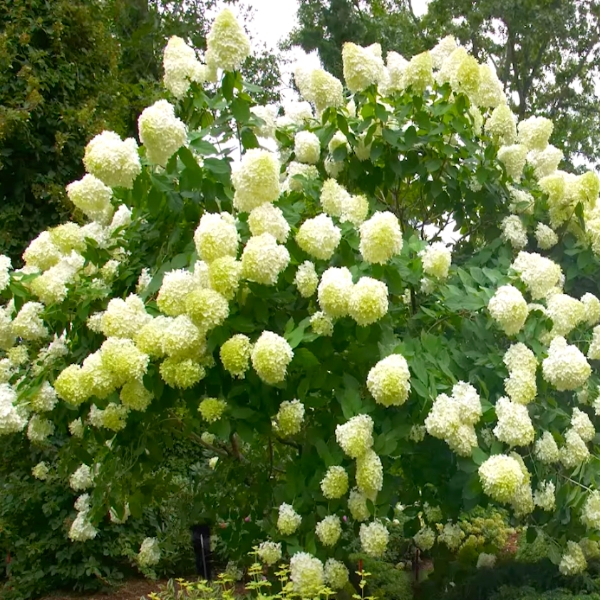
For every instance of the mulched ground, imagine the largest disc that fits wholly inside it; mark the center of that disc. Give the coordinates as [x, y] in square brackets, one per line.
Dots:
[130, 590]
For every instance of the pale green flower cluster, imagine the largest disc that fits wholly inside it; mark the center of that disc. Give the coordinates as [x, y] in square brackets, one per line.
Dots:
[271, 355]
[269, 553]
[521, 384]
[452, 418]
[227, 46]
[335, 483]
[514, 423]
[181, 67]
[425, 538]
[573, 560]
[161, 132]
[212, 409]
[544, 496]
[357, 504]
[389, 381]
[319, 237]
[289, 417]
[235, 355]
[501, 476]
[374, 538]
[307, 574]
[566, 368]
[329, 530]
[546, 449]
[509, 309]
[362, 66]
[289, 520]
[336, 574]
[149, 554]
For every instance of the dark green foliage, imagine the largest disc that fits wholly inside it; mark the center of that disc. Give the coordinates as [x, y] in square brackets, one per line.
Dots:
[528, 593]
[58, 65]
[385, 581]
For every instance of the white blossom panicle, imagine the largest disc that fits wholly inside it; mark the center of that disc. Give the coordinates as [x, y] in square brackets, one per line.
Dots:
[92, 197]
[329, 530]
[545, 236]
[574, 452]
[436, 258]
[289, 417]
[566, 368]
[509, 309]
[334, 291]
[39, 429]
[227, 46]
[418, 73]
[270, 356]
[573, 560]
[333, 198]
[389, 381]
[269, 553]
[82, 478]
[335, 483]
[263, 259]
[546, 161]
[514, 423]
[362, 66]
[486, 561]
[299, 113]
[5, 267]
[425, 538]
[591, 307]
[451, 535]
[546, 449]
[181, 67]
[44, 399]
[590, 513]
[135, 396]
[306, 279]
[319, 237]
[149, 554]
[212, 409]
[76, 428]
[357, 504]
[368, 301]
[41, 471]
[539, 274]
[501, 125]
[380, 238]
[176, 285]
[514, 231]
[257, 180]
[161, 132]
[594, 349]
[535, 132]
[216, 236]
[235, 355]
[124, 318]
[289, 520]
[306, 574]
[581, 423]
[369, 474]
[513, 158]
[544, 496]
[355, 210]
[374, 538]
[307, 147]
[82, 528]
[500, 477]
[336, 574]
[269, 219]
[267, 114]
[114, 161]
[566, 313]
[355, 436]
[294, 169]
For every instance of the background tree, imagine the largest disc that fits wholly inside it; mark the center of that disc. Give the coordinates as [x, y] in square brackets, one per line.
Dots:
[547, 53]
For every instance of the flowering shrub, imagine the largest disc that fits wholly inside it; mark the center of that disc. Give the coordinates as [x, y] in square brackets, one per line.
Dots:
[302, 315]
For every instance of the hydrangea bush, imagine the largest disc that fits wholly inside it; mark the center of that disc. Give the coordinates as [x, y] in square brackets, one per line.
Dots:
[303, 311]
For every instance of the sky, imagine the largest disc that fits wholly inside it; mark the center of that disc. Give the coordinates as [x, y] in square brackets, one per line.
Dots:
[274, 19]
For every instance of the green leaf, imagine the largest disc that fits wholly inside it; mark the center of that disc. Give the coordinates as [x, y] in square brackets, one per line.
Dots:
[217, 166]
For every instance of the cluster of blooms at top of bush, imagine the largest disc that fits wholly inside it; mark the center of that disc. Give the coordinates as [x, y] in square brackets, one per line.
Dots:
[336, 261]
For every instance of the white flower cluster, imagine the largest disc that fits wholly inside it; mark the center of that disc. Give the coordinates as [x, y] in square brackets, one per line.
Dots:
[374, 538]
[335, 483]
[546, 449]
[289, 520]
[161, 132]
[307, 575]
[289, 417]
[573, 560]
[539, 274]
[271, 355]
[12, 419]
[329, 530]
[521, 384]
[574, 452]
[566, 368]
[181, 67]
[149, 554]
[544, 496]
[509, 309]
[514, 423]
[269, 553]
[501, 476]
[452, 418]
[514, 231]
[82, 528]
[388, 381]
[82, 478]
